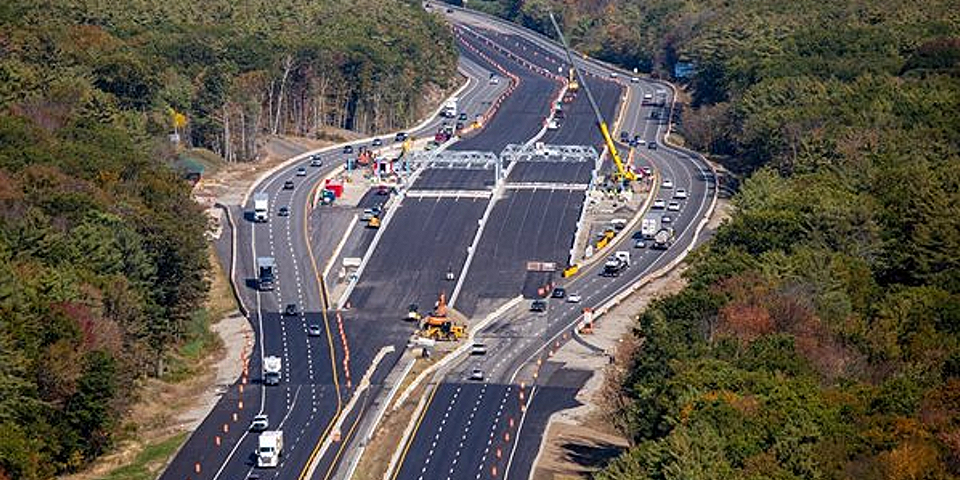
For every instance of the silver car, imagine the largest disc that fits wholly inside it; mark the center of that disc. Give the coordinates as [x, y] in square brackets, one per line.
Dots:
[680, 193]
[674, 206]
[659, 203]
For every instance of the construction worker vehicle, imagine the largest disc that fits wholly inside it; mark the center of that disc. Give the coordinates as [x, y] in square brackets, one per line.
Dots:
[439, 326]
[413, 313]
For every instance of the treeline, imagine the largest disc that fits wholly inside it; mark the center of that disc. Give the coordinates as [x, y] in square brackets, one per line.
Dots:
[819, 335]
[236, 69]
[103, 262]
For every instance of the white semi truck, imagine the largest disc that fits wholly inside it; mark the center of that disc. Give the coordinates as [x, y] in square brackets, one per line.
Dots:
[269, 449]
[271, 370]
[261, 207]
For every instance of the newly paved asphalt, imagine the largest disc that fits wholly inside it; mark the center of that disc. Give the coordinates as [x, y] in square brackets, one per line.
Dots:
[455, 179]
[551, 172]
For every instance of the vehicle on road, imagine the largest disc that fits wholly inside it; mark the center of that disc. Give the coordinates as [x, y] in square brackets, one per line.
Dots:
[476, 375]
[647, 99]
[648, 227]
[553, 124]
[348, 149]
[449, 109]
[260, 423]
[652, 145]
[616, 263]
[284, 212]
[288, 185]
[266, 273]
[673, 206]
[367, 214]
[640, 244]
[666, 219]
[624, 136]
[291, 310]
[538, 306]
[680, 193]
[271, 370]
[316, 161]
[663, 239]
[667, 183]
[648, 171]
[462, 117]
[634, 79]
[269, 449]
[614, 75]
[574, 298]
[377, 142]
[400, 136]
[659, 203]
[494, 79]
[301, 172]
[558, 292]
[413, 313]
[261, 204]
[478, 349]
[313, 330]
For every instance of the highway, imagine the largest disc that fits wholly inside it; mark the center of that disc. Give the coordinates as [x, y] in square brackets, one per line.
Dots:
[533, 218]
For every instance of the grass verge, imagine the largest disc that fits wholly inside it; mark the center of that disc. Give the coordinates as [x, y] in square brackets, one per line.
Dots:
[147, 464]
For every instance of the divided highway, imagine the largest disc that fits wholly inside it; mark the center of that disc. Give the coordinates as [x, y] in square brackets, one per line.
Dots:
[470, 429]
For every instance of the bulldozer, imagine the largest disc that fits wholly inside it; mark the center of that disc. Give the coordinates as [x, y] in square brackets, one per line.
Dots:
[439, 326]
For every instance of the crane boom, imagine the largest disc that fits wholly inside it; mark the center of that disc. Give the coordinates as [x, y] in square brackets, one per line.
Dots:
[622, 172]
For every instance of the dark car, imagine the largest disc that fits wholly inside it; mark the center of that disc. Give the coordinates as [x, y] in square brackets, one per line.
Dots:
[348, 149]
[652, 145]
[284, 212]
[462, 117]
[538, 306]
[288, 185]
[401, 136]
[558, 292]
[290, 310]
[377, 142]
[636, 235]
[459, 125]
[624, 136]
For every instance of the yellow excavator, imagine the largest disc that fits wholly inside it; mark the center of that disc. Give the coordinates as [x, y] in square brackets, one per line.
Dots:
[572, 84]
[438, 326]
[622, 174]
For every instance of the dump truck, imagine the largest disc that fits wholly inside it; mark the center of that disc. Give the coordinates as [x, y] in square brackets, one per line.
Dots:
[270, 449]
[271, 370]
[438, 326]
[261, 207]
[663, 239]
[649, 227]
[266, 273]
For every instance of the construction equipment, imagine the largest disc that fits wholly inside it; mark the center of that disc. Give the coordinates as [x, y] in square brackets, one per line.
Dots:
[438, 326]
[374, 222]
[622, 174]
[572, 84]
[413, 313]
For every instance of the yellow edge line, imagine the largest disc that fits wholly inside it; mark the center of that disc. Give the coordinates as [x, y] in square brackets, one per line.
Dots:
[321, 289]
[413, 435]
[344, 442]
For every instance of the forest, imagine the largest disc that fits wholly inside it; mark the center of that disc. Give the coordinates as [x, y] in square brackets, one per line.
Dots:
[819, 334]
[103, 260]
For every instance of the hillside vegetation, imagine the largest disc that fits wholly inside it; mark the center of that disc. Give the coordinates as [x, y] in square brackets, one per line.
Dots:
[103, 262]
[819, 337]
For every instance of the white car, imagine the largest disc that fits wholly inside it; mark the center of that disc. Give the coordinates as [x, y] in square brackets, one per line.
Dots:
[301, 172]
[478, 349]
[260, 423]
[680, 193]
[367, 214]
[667, 183]
[553, 124]
[313, 330]
[673, 206]
[666, 219]
[659, 203]
[634, 79]
[573, 298]
[614, 75]
[477, 374]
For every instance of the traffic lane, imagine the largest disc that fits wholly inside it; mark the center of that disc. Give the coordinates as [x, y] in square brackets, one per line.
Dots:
[579, 126]
[527, 225]
[521, 114]
[425, 239]
[455, 179]
[551, 172]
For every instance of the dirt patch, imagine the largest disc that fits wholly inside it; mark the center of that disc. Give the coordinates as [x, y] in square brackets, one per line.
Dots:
[575, 451]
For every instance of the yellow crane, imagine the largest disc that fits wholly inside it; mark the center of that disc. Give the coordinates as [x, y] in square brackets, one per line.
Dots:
[622, 174]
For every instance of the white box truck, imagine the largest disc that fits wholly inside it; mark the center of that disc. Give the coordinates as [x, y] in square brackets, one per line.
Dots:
[449, 108]
[649, 227]
[266, 273]
[271, 370]
[269, 449]
[261, 207]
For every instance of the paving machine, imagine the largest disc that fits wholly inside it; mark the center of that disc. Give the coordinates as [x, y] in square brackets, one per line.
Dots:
[438, 325]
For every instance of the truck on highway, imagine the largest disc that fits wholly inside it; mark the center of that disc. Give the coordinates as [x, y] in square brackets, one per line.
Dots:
[663, 238]
[449, 109]
[271, 370]
[266, 273]
[269, 449]
[616, 264]
[261, 207]
[649, 227]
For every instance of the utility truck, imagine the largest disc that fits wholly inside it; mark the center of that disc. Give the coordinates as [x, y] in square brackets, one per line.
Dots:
[663, 239]
[261, 205]
[269, 449]
[266, 273]
[271, 370]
